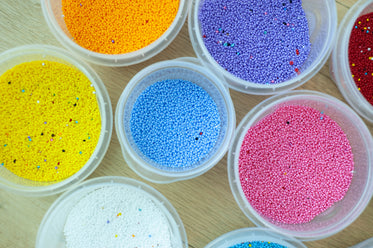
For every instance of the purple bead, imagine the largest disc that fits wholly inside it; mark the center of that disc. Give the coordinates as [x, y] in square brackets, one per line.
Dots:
[266, 36]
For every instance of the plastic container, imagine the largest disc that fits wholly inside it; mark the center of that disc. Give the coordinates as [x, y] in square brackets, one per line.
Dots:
[52, 10]
[54, 220]
[253, 234]
[185, 69]
[14, 183]
[322, 21]
[339, 62]
[365, 244]
[342, 213]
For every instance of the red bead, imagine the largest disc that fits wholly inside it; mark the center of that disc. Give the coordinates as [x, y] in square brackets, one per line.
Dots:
[359, 52]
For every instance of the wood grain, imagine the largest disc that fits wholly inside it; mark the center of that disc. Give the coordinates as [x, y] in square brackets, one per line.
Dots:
[205, 204]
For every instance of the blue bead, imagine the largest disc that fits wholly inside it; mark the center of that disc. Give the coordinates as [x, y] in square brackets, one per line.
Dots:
[174, 124]
[258, 244]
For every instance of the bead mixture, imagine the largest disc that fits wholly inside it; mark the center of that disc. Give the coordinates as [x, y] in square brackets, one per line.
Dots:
[360, 55]
[175, 123]
[117, 216]
[258, 244]
[264, 42]
[294, 164]
[49, 120]
[118, 26]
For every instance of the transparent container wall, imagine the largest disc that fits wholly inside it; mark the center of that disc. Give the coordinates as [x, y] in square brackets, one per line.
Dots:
[366, 10]
[361, 176]
[56, 7]
[319, 22]
[56, 222]
[184, 74]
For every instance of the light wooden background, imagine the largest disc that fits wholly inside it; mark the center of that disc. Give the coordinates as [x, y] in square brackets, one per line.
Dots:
[205, 204]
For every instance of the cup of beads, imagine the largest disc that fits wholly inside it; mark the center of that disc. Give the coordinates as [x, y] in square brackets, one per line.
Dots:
[254, 237]
[174, 121]
[263, 48]
[365, 244]
[56, 120]
[115, 33]
[301, 163]
[350, 63]
[111, 212]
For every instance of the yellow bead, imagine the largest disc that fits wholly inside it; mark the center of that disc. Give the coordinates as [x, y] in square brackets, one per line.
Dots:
[38, 98]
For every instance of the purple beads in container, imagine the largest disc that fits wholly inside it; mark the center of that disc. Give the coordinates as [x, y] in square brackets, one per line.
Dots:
[263, 47]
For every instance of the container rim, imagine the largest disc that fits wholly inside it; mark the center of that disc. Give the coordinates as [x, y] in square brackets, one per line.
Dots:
[235, 184]
[130, 153]
[340, 62]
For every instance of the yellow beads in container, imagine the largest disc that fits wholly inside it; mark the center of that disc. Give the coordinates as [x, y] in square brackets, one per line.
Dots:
[50, 121]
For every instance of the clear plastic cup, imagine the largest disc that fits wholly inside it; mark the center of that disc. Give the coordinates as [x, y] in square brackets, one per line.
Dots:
[51, 229]
[365, 244]
[52, 10]
[339, 62]
[253, 234]
[322, 21]
[16, 184]
[342, 213]
[185, 69]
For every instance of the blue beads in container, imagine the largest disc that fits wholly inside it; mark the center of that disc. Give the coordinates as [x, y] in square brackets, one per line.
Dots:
[174, 120]
[254, 238]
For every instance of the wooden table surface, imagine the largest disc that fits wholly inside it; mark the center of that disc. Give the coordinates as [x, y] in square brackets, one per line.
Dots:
[205, 204]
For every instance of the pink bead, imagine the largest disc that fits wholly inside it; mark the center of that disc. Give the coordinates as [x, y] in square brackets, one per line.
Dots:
[293, 165]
